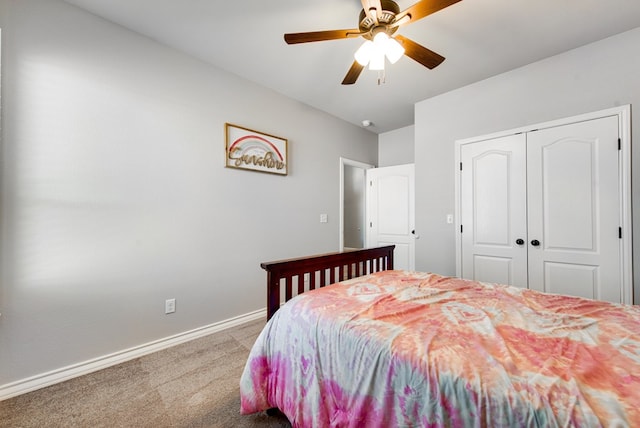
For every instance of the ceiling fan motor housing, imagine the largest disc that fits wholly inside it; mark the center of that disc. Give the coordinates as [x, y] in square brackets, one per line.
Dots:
[368, 25]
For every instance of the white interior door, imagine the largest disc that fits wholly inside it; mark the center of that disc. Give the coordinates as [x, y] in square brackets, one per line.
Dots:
[574, 210]
[391, 212]
[493, 209]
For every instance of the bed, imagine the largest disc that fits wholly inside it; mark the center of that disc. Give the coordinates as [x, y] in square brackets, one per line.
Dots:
[386, 348]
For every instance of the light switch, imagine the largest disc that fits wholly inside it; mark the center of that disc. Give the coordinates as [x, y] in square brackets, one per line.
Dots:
[450, 218]
[323, 218]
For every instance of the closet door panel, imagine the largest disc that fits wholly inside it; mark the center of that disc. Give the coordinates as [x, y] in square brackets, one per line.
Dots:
[493, 210]
[573, 209]
[572, 279]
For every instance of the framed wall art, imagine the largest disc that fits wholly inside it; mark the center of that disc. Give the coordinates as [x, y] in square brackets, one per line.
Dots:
[255, 151]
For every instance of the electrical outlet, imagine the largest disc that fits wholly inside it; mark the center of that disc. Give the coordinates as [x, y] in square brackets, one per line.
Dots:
[169, 306]
[323, 218]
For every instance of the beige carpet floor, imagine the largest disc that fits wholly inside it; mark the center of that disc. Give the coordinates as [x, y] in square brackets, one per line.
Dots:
[190, 385]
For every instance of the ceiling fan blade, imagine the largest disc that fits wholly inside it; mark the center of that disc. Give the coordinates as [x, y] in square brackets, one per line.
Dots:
[421, 9]
[353, 73]
[319, 36]
[419, 53]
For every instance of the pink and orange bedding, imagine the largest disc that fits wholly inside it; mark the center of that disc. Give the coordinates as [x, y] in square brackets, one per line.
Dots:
[409, 349]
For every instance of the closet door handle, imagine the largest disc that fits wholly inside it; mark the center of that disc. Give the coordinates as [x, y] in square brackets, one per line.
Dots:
[535, 242]
[520, 241]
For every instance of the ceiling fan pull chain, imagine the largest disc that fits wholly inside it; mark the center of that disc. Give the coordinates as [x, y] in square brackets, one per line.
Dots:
[381, 77]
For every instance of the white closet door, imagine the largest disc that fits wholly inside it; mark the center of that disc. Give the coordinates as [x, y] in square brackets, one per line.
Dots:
[493, 210]
[574, 210]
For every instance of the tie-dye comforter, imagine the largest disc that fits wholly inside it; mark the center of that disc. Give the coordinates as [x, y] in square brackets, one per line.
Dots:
[408, 349]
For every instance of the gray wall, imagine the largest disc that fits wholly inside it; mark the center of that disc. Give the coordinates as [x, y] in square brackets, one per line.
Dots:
[115, 197]
[594, 77]
[396, 147]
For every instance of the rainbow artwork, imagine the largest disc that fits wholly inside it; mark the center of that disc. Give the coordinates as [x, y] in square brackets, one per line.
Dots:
[248, 149]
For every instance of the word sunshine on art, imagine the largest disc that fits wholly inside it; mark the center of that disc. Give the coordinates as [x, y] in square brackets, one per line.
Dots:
[266, 161]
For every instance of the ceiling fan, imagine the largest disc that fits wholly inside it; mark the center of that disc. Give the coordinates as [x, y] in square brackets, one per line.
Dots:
[379, 20]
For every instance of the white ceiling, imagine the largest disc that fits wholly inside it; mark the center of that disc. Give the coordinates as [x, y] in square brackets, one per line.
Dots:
[479, 38]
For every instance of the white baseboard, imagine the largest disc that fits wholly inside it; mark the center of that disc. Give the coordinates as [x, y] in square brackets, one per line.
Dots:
[60, 375]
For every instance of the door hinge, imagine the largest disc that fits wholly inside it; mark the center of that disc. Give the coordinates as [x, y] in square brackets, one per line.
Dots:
[370, 224]
[371, 183]
[619, 144]
[460, 228]
[460, 166]
[620, 233]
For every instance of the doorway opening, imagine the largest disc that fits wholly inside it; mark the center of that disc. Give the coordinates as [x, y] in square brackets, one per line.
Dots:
[353, 203]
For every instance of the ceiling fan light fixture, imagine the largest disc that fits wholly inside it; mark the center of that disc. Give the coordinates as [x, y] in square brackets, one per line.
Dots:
[377, 60]
[364, 53]
[389, 46]
[393, 50]
[380, 39]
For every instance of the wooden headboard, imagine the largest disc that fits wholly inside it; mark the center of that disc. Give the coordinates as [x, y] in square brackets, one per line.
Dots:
[308, 273]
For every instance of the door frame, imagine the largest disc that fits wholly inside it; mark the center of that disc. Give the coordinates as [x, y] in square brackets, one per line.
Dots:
[623, 114]
[357, 164]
